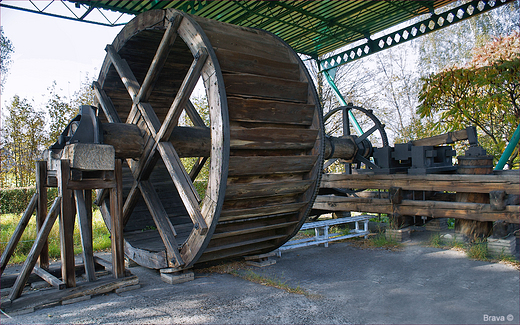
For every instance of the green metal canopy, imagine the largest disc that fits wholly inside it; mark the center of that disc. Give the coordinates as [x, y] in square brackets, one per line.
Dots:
[313, 28]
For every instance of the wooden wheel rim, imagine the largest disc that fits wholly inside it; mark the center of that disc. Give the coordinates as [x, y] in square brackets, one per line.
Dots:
[273, 219]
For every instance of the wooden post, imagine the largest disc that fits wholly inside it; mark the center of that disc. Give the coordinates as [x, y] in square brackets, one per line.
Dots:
[116, 213]
[480, 164]
[84, 209]
[66, 226]
[32, 257]
[18, 232]
[41, 190]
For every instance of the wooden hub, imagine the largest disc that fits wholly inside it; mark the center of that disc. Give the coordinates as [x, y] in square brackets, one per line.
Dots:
[266, 138]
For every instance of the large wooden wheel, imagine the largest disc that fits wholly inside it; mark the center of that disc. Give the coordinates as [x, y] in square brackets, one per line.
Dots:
[265, 157]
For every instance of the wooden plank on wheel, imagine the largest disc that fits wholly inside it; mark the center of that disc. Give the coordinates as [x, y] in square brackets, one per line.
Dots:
[184, 185]
[160, 217]
[194, 115]
[159, 60]
[183, 95]
[132, 85]
[106, 104]
[266, 165]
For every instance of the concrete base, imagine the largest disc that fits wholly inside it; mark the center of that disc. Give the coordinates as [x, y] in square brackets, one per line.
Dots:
[500, 247]
[178, 277]
[400, 235]
[260, 260]
[440, 224]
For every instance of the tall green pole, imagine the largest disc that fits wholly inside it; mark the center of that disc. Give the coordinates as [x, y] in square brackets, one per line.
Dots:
[342, 101]
[509, 149]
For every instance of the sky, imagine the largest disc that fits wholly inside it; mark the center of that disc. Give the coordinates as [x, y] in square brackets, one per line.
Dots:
[47, 49]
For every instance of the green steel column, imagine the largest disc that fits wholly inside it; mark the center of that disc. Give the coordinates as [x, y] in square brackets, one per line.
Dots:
[509, 149]
[342, 101]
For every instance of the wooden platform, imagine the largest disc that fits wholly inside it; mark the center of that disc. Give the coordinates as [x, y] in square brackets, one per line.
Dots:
[424, 204]
[36, 297]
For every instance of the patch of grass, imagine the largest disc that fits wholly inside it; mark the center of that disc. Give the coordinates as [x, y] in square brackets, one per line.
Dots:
[435, 241]
[8, 223]
[478, 250]
[243, 271]
[270, 282]
[377, 241]
[509, 260]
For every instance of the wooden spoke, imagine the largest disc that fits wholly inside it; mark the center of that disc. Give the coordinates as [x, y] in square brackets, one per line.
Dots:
[106, 104]
[131, 201]
[193, 114]
[160, 58]
[183, 95]
[184, 185]
[197, 167]
[124, 71]
[133, 87]
[329, 162]
[164, 226]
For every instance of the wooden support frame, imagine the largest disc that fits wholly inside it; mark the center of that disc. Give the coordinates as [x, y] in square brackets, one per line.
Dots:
[83, 200]
[116, 207]
[41, 190]
[436, 182]
[433, 209]
[74, 196]
[36, 249]
[18, 232]
[66, 225]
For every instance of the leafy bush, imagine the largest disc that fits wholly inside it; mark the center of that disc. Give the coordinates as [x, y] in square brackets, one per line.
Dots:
[16, 200]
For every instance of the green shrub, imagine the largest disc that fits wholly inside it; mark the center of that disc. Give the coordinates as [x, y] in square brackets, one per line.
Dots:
[16, 200]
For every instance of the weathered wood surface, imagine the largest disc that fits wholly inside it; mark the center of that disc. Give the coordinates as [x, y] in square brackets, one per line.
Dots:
[433, 209]
[84, 210]
[454, 183]
[36, 249]
[265, 121]
[41, 213]
[116, 223]
[127, 139]
[18, 232]
[447, 138]
[67, 218]
[47, 298]
[49, 278]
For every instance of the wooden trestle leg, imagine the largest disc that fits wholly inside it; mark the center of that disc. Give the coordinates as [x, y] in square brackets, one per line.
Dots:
[116, 214]
[68, 271]
[41, 190]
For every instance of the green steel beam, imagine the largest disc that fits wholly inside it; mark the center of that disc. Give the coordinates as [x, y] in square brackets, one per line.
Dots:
[509, 149]
[352, 118]
[433, 23]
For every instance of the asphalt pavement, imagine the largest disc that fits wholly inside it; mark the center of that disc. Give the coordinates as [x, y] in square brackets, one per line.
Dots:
[341, 284]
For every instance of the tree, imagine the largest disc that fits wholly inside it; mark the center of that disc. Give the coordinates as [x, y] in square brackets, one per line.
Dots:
[6, 48]
[62, 110]
[453, 45]
[60, 113]
[485, 92]
[23, 136]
